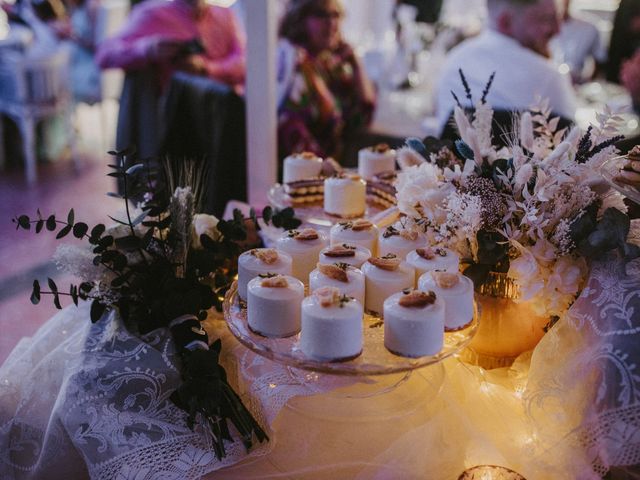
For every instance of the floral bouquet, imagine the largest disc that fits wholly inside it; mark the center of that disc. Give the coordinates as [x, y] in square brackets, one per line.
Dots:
[535, 210]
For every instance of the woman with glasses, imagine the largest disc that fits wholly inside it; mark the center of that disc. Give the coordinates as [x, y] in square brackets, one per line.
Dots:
[324, 94]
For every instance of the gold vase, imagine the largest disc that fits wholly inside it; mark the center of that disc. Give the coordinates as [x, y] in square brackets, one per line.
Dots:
[507, 328]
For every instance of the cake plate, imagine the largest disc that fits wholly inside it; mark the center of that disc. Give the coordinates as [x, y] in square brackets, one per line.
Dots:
[610, 169]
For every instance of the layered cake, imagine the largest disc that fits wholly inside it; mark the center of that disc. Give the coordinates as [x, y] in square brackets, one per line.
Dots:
[413, 323]
[630, 171]
[345, 196]
[400, 240]
[385, 276]
[301, 166]
[376, 159]
[381, 190]
[331, 326]
[303, 246]
[456, 291]
[357, 232]
[273, 305]
[260, 260]
[428, 259]
[305, 191]
[347, 278]
[352, 254]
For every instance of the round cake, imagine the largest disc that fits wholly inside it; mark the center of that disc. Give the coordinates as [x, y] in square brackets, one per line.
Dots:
[354, 255]
[301, 166]
[273, 305]
[345, 196]
[376, 159]
[630, 171]
[400, 241]
[331, 326]
[357, 232]
[260, 260]
[456, 291]
[303, 246]
[429, 259]
[385, 276]
[343, 276]
[413, 323]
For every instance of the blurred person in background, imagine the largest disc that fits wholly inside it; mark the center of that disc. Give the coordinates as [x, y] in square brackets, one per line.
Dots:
[324, 94]
[625, 37]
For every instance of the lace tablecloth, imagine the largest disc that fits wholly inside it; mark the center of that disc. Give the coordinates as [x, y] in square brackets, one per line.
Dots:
[80, 400]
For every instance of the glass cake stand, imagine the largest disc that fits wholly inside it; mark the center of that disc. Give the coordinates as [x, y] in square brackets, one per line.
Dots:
[609, 170]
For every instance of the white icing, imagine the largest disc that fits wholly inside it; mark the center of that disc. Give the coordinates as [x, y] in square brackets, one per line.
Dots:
[370, 162]
[304, 253]
[353, 288]
[296, 167]
[274, 312]
[345, 197]
[449, 263]
[413, 331]
[250, 266]
[458, 300]
[362, 254]
[381, 284]
[331, 333]
[398, 245]
[365, 238]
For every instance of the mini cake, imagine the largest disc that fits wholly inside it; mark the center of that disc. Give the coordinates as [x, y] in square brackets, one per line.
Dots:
[400, 241]
[385, 276]
[331, 326]
[456, 291]
[630, 171]
[381, 190]
[428, 259]
[347, 278]
[354, 255]
[357, 232]
[308, 190]
[273, 305]
[303, 246]
[413, 323]
[260, 260]
[376, 159]
[300, 166]
[345, 196]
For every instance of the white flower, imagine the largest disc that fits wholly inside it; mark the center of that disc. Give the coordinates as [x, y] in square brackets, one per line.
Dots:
[408, 157]
[526, 271]
[567, 275]
[421, 192]
[544, 251]
[458, 175]
[203, 224]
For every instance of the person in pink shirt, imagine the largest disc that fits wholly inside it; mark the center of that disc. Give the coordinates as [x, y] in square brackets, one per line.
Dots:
[186, 35]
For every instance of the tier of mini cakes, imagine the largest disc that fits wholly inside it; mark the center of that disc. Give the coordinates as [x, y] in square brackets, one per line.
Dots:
[301, 192]
[385, 276]
[347, 278]
[300, 166]
[345, 196]
[273, 305]
[381, 190]
[304, 247]
[400, 241]
[428, 259]
[357, 232]
[260, 260]
[413, 323]
[376, 159]
[331, 326]
[456, 291]
[354, 255]
[630, 171]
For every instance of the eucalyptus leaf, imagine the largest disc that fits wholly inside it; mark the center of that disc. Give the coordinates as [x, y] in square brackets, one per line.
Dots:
[35, 292]
[70, 217]
[64, 231]
[80, 229]
[51, 223]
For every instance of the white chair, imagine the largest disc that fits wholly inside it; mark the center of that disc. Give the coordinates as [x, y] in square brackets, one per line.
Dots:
[32, 89]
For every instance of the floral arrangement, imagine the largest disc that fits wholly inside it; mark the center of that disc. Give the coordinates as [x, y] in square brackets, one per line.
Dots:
[164, 266]
[535, 210]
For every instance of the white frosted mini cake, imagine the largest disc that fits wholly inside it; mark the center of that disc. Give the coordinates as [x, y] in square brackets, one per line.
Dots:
[343, 276]
[357, 232]
[428, 259]
[400, 241]
[385, 276]
[304, 247]
[354, 255]
[260, 260]
[301, 166]
[413, 323]
[273, 305]
[456, 291]
[345, 196]
[376, 159]
[331, 326]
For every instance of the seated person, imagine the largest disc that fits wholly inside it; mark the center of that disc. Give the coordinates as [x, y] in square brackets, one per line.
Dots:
[186, 35]
[514, 46]
[625, 37]
[325, 96]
